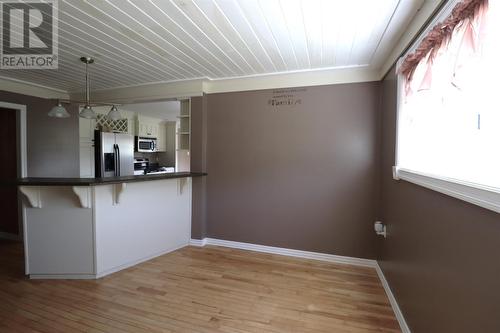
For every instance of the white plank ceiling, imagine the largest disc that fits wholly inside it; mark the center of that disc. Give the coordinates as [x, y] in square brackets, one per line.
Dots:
[137, 42]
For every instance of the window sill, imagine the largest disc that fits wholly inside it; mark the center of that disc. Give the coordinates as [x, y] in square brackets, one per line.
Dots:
[483, 196]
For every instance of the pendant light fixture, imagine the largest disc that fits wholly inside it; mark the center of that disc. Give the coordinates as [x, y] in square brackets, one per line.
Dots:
[87, 111]
[114, 114]
[58, 111]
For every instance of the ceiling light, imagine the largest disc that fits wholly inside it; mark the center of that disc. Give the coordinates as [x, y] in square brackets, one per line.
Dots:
[114, 114]
[58, 111]
[87, 111]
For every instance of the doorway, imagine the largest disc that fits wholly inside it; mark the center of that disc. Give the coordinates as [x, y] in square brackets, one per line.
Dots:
[13, 152]
[9, 224]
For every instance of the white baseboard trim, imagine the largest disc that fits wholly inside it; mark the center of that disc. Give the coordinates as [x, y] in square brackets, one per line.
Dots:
[394, 304]
[315, 256]
[136, 262]
[9, 236]
[62, 276]
[104, 272]
[286, 252]
[198, 242]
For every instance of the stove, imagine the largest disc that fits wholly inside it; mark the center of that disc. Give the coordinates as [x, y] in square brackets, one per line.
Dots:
[161, 170]
[142, 166]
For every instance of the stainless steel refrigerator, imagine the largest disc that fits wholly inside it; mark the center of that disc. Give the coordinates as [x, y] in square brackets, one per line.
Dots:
[114, 154]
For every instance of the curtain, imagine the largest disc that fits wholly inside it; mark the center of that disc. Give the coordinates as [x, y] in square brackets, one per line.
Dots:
[449, 119]
[450, 51]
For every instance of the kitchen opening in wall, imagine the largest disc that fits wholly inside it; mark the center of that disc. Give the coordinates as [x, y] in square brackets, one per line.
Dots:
[148, 138]
[448, 128]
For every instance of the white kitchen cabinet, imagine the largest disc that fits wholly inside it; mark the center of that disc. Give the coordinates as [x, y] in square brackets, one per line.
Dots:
[87, 166]
[162, 138]
[87, 160]
[87, 127]
[147, 127]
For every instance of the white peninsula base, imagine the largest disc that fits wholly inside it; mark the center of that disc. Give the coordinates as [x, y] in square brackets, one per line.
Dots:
[86, 232]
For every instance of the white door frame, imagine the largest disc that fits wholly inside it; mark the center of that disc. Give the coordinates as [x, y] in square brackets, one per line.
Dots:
[22, 137]
[22, 159]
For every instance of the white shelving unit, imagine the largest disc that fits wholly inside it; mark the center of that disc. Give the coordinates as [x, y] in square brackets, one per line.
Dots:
[184, 137]
[184, 129]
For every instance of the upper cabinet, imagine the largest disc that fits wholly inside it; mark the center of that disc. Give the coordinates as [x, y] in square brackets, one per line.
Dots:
[153, 128]
[147, 127]
[87, 127]
[161, 139]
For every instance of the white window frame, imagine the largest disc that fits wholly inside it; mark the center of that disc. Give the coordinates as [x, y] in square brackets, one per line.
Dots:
[483, 196]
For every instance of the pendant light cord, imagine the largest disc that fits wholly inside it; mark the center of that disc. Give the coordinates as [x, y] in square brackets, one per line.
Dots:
[87, 84]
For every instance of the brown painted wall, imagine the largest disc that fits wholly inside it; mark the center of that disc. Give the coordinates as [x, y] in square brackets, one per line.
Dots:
[198, 164]
[441, 257]
[301, 177]
[52, 143]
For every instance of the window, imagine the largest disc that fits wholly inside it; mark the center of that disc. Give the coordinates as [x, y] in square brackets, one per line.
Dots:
[449, 106]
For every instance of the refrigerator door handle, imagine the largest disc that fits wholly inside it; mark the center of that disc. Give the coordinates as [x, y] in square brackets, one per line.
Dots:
[118, 171]
[114, 159]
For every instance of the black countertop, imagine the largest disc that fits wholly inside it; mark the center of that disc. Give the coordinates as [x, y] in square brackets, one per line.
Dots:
[37, 181]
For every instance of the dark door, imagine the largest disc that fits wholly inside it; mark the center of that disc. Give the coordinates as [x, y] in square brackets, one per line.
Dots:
[8, 171]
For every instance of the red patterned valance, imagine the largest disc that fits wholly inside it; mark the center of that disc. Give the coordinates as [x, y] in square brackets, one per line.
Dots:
[440, 35]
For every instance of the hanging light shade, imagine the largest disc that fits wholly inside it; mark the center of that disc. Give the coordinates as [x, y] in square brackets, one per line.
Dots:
[58, 111]
[114, 114]
[87, 111]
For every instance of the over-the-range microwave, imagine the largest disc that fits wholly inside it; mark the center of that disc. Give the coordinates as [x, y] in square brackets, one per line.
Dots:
[145, 145]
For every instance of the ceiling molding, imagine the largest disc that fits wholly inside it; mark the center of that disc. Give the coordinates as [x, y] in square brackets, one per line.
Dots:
[145, 92]
[31, 89]
[414, 27]
[290, 80]
[174, 90]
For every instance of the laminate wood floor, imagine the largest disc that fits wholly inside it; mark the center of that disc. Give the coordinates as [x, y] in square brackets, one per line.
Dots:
[210, 289]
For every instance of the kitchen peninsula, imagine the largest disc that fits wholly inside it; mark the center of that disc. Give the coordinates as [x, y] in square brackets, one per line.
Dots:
[86, 228]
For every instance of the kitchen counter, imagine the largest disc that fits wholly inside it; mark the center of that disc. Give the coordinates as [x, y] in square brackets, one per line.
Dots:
[86, 228]
[36, 181]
